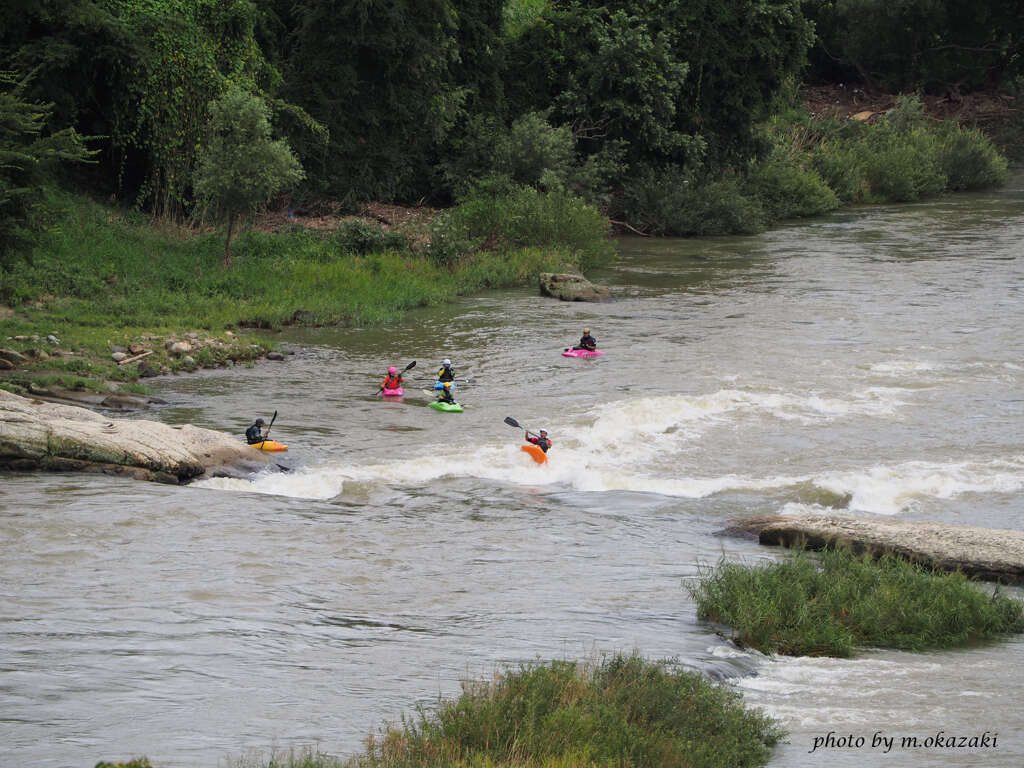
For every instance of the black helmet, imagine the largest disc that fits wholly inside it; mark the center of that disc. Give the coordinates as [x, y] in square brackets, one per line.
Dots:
[260, 421]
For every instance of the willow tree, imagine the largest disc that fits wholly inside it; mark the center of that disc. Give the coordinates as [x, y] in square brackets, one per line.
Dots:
[242, 167]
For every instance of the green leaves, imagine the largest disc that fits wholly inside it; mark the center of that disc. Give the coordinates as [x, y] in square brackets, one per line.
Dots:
[28, 159]
[241, 166]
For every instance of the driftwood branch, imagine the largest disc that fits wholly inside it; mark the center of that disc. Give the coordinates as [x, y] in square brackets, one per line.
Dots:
[136, 357]
[631, 228]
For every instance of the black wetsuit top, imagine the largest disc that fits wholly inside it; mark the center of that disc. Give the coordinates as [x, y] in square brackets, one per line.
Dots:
[446, 374]
[254, 434]
[587, 342]
[543, 442]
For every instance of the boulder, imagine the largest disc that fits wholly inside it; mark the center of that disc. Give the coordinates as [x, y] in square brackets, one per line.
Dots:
[12, 356]
[571, 286]
[982, 553]
[37, 435]
[179, 348]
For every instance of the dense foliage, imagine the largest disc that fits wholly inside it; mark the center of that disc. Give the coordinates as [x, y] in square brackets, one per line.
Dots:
[28, 157]
[801, 607]
[653, 110]
[939, 45]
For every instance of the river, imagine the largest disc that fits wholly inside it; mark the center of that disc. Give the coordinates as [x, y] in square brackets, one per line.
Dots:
[868, 362]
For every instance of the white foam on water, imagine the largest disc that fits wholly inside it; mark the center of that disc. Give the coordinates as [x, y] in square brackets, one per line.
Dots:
[888, 490]
[637, 446]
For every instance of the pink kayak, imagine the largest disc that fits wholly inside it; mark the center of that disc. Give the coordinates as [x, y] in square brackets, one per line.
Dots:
[582, 353]
[396, 392]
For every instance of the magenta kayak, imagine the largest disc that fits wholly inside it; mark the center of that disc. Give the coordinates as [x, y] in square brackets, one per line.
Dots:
[582, 353]
[396, 392]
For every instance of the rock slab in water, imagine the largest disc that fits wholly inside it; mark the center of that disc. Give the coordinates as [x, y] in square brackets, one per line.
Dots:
[571, 286]
[38, 435]
[983, 553]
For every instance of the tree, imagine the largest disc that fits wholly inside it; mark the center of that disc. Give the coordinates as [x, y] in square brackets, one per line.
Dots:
[27, 159]
[242, 167]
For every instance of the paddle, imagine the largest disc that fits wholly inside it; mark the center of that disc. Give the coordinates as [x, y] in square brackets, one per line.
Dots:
[268, 430]
[409, 367]
[513, 423]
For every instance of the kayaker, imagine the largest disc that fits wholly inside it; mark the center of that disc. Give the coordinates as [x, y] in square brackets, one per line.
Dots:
[587, 341]
[444, 395]
[445, 372]
[255, 434]
[393, 380]
[540, 440]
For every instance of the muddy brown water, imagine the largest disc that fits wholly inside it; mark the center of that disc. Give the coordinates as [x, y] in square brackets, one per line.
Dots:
[868, 362]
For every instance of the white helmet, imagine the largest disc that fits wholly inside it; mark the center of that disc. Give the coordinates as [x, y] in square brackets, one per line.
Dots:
[446, 361]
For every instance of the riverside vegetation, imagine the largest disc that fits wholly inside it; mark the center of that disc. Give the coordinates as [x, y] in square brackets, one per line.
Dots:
[533, 124]
[621, 711]
[803, 606]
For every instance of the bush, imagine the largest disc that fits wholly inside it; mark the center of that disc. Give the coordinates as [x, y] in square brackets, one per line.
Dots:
[970, 160]
[903, 166]
[840, 167]
[674, 202]
[498, 216]
[798, 608]
[624, 711]
[787, 190]
[360, 237]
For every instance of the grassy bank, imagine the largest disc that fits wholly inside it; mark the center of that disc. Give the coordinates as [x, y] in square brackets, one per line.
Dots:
[99, 277]
[624, 711]
[805, 606]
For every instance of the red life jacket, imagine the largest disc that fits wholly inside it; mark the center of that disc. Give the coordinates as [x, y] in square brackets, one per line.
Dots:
[392, 382]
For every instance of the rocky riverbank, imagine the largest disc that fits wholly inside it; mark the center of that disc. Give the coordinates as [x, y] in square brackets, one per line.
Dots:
[37, 435]
[982, 553]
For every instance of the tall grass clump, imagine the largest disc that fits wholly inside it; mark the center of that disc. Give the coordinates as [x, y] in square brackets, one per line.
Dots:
[623, 712]
[806, 607]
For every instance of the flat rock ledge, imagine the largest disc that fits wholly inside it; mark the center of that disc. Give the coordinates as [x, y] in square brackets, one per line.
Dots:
[571, 286]
[37, 435]
[982, 553]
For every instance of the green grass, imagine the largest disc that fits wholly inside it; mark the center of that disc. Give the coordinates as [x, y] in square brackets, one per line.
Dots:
[623, 712]
[803, 606]
[99, 277]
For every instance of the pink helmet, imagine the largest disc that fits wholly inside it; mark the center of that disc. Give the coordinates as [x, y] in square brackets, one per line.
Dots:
[392, 369]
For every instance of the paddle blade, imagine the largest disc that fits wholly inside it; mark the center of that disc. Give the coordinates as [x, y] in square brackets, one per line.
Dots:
[512, 422]
[410, 366]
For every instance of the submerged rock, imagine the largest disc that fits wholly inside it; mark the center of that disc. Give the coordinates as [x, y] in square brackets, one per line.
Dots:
[571, 286]
[983, 553]
[38, 435]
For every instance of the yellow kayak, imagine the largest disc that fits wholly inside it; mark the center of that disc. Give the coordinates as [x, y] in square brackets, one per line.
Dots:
[270, 446]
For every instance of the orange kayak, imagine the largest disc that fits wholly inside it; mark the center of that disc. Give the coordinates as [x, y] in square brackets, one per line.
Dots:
[536, 452]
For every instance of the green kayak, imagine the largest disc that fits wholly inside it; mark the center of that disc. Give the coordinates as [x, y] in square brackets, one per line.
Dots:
[450, 407]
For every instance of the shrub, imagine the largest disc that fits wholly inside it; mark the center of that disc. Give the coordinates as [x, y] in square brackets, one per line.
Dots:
[800, 608]
[674, 202]
[624, 711]
[970, 160]
[498, 216]
[360, 237]
[840, 167]
[903, 166]
[787, 190]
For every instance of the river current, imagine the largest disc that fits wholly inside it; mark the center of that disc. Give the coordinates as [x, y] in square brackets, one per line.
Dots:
[870, 362]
